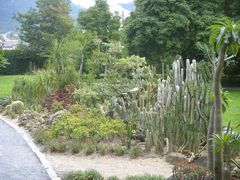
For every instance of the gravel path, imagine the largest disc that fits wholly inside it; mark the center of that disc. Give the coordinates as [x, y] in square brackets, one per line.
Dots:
[17, 161]
[110, 165]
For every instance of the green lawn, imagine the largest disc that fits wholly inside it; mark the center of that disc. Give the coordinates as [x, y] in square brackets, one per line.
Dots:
[233, 113]
[6, 84]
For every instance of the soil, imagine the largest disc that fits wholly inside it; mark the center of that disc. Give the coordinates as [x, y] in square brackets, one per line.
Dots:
[110, 165]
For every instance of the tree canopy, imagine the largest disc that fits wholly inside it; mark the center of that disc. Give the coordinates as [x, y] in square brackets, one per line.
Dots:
[98, 19]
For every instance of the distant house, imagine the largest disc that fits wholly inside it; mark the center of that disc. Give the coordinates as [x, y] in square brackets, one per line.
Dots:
[9, 41]
[10, 45]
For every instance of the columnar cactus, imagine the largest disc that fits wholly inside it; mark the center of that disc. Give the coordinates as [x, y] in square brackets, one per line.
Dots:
[178, 115]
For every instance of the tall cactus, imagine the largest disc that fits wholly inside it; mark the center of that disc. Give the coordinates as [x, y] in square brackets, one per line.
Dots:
[176, 112]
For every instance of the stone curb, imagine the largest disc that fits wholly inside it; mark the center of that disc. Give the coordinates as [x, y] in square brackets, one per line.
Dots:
[52, 174]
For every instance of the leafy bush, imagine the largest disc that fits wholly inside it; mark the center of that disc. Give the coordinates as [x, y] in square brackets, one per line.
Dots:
[118, 150]
[145, 177]
[113, 178]
[87, 175]
[81, 123]
[60, 99]
[135, 152]
[57, 146]
[75, 147]
[185, 171]
[41, 136]
[89, 149]
[87, 96]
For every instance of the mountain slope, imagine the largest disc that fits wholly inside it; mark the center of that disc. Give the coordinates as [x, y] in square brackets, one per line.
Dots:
[8, 8]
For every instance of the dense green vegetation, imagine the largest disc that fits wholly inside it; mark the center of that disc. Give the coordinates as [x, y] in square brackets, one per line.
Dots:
[126, 86]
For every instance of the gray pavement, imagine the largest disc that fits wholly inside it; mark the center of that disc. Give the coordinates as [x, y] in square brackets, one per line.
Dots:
[17, 161]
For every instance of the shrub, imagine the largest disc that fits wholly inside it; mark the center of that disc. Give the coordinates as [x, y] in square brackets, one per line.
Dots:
[135, 152]
[118, 150]
[57, 146]
[82, 124]
[89, 149]
[75, 147]
[57, 106]
[59, 99]
[185, 171]
[145, 177]
[102, 149]
[87, 96]
[33, 89]
[41, 136]
[113, 178]
[87, 175]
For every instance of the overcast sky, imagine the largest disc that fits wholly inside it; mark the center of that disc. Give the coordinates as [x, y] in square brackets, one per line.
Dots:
[113, 4]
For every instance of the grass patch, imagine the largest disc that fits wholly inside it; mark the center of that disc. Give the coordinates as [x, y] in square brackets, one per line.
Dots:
[233, 112]
[87, 175]
[6, 84]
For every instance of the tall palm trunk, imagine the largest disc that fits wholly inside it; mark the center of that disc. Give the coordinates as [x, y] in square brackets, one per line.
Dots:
[210, 142]
[218, 164]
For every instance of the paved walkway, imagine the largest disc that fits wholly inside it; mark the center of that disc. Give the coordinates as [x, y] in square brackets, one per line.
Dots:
[17, 161]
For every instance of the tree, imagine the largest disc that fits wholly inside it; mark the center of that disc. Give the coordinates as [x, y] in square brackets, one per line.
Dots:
[158, 28]
[3, 60]
[80, 47]
[98, 19]
[224, 38]
[39, 27]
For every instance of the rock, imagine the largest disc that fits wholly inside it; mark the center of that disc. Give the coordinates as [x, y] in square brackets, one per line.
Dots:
[175, 158]
[31, 120]
[56, 115]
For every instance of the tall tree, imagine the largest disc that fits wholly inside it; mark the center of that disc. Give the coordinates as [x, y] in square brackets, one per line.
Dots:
[224, 38]
[158, 28]
[98, 19]
[50, 20]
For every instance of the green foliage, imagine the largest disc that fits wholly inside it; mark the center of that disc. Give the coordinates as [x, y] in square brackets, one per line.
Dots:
[98, 19]
[158, 29]
[87, 96]
[57, 106]
[145, 177]
[81, 123]
[225, 32]
[41, 136]
[33, 89]
[87, 175]
[185, 171]
[89, 149]
[3, 60]
[113, 178]
[20, 61]
[230, 141]
[56, 145]
[135, 152]
[50, 20]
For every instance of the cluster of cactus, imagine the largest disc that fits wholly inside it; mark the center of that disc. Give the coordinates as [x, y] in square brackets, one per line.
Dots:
[173, 115]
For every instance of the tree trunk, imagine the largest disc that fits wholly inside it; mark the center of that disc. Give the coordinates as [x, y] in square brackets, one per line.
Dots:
[81, 64]
[210, 142]
[218, 164]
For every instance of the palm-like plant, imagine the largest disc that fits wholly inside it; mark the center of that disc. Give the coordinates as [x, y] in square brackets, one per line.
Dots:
[225, 39]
